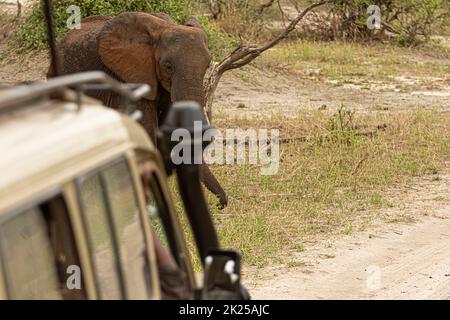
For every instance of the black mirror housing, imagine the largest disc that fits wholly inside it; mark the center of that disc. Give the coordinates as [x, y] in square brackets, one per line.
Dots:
[182, 115]
[222, 277]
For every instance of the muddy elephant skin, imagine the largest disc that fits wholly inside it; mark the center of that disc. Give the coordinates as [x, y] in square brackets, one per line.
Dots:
[138, 47]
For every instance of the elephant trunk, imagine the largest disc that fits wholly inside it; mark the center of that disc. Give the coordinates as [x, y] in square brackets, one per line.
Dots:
[187, 89]
[192, 90]
[213, 185]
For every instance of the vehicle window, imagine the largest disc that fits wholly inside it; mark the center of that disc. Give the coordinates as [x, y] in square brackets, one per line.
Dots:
[128, 230]
[173, 262]
[64, 247]
[155, 210]
[163, 222]
[100, 238]
[29, 258]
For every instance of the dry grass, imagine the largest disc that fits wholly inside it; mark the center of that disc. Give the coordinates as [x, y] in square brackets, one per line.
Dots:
[346, 62]
[329, 183]
[240, 19]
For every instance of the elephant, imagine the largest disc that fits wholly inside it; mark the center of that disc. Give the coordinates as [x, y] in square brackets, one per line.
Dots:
[138, 47]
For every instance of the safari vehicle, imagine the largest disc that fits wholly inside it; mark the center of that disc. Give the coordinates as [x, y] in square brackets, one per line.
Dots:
[83, 193]
[85, 211]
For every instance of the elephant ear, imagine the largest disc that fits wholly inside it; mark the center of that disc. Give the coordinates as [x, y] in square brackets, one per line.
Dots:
[193, 22]
[127, 45]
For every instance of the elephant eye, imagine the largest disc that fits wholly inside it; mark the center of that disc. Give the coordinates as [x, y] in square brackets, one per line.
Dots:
[168, 67]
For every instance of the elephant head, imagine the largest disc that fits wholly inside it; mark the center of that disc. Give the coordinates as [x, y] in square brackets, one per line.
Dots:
[144, 48]
[150, 48]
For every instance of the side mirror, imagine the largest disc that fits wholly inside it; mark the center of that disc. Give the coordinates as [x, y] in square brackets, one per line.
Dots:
[222, 277]
[186, 116]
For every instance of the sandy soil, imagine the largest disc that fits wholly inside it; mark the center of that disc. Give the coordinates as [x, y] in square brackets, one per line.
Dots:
[271, 92]
[387, 261]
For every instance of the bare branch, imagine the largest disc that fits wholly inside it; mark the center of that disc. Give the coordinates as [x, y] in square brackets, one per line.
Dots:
[243, 55]
[264, 6]
[215, 7]
[19, 9]
[389, 28]
[283, 15]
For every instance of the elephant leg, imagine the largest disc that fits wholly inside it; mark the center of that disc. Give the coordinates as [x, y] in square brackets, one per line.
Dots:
[211, 183]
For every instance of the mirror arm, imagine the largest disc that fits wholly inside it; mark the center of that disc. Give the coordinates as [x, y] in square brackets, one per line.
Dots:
[187, 115]
[205, 234]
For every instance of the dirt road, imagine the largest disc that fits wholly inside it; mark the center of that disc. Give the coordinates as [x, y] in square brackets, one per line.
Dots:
[389, 261]
[289, 94]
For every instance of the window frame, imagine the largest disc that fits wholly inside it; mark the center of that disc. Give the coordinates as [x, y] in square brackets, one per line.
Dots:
[182, 256]
[22, 209]
[3, 292]
[127, 160]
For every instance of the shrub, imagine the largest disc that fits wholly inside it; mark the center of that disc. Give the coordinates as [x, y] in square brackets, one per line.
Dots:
[219, 43]
[32, 34]
[408, 20]
[244, 19]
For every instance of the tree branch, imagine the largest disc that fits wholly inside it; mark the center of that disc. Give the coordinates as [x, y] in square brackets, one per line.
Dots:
[215, 7]
[264, 6]
[243, 55]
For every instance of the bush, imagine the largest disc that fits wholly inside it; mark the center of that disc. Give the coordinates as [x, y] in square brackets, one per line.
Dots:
[243, 18]
[32, 34]
[408, 20]
[219, 43]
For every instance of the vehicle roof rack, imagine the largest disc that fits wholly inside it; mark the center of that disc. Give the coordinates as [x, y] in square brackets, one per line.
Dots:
[18, 96]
